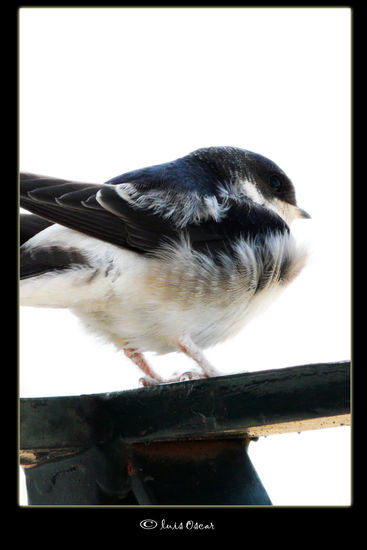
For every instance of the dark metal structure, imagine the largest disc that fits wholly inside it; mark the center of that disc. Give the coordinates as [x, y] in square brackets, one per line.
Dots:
[176, 444]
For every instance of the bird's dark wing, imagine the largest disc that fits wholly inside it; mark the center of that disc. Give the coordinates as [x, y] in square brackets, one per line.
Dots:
[101, 212]
[110, 218]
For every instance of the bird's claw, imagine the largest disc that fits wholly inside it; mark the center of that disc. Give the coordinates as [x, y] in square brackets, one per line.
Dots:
[190, 375]
[176, 377]
[148, 381]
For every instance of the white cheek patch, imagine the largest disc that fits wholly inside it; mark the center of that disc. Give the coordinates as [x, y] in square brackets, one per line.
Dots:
[283, 209]
[252, 192]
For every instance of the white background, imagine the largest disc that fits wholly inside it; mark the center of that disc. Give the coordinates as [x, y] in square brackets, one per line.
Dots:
[104, 91]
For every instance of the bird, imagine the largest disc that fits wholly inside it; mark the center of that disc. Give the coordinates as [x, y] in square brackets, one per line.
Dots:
[177, 256]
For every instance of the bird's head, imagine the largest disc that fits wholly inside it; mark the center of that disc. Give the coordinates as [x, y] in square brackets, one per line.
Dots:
[241, 172]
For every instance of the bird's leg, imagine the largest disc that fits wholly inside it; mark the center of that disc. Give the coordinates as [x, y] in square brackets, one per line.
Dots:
[187, 346]
[151, 378]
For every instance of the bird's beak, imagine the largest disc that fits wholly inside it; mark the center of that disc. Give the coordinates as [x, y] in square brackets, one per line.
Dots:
[300, 213]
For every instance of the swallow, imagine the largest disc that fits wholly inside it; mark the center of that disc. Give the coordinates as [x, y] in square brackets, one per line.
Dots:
[172, 257]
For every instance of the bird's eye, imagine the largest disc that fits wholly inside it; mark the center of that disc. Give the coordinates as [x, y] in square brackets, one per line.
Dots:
[275, 182]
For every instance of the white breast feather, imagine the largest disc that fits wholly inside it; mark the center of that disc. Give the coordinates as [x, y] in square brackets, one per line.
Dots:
[148, 302]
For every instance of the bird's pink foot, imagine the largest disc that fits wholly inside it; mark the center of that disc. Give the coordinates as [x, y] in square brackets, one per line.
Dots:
[151, 378]
[187, 346]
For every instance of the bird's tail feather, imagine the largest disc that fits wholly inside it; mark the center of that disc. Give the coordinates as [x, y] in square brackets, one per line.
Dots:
[30, 225]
